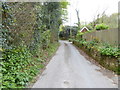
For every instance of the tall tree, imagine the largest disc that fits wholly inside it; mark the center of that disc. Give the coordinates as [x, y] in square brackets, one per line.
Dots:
[77, 12]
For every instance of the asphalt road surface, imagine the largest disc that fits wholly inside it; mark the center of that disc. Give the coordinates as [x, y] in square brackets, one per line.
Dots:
[69, 69]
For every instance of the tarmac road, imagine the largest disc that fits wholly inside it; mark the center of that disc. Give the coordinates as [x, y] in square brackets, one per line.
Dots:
[69, 69]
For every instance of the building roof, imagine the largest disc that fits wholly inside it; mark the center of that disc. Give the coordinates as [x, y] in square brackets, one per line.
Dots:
[84, 28]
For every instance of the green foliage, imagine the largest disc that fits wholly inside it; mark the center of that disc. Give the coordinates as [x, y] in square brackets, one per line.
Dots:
[109, 51]
[64, 4]
[101, 27]
[27, 32]
[111, 21]
[105, 54]
[61, 28]
[64, 13]
[13, 67]
[68, 32]
[19, 66]
[79, 35]
[46, 39]
[26, 23]
[89, 26]
[103, 48]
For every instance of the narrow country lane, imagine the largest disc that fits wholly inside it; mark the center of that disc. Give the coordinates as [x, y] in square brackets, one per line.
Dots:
[69, 69]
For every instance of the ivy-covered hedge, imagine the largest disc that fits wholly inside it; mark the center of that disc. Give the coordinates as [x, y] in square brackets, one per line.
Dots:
[29, 37]
[107, 55]
[15, 65]
[19, 66]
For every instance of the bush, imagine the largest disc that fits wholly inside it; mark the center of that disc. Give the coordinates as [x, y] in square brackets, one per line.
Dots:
[101, 27]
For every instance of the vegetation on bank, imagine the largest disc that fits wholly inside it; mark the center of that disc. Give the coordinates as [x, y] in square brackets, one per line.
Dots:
[19, 66]
[107, 55]
[29, 37]
[103, 48]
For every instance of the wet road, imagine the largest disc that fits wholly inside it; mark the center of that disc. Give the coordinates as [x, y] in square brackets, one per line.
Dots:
[69, 69]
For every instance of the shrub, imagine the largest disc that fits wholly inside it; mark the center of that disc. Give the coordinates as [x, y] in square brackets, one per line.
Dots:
[101, 27]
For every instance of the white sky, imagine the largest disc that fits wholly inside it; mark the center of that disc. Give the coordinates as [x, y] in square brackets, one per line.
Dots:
[90, 8]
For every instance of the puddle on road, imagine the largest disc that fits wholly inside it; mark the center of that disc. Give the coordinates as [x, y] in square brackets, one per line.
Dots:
[66, 84]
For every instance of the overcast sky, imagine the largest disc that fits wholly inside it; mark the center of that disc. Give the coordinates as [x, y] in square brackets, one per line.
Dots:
[90, 8]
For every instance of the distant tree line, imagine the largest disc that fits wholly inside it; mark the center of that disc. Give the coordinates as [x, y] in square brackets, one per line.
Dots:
[111, 21]
[68, 32]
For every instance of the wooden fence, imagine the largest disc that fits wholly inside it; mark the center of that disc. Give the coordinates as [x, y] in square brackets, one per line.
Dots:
[109, 36]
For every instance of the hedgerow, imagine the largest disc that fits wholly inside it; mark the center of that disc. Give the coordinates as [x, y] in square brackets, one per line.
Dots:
[29, 37]
[103, 48]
